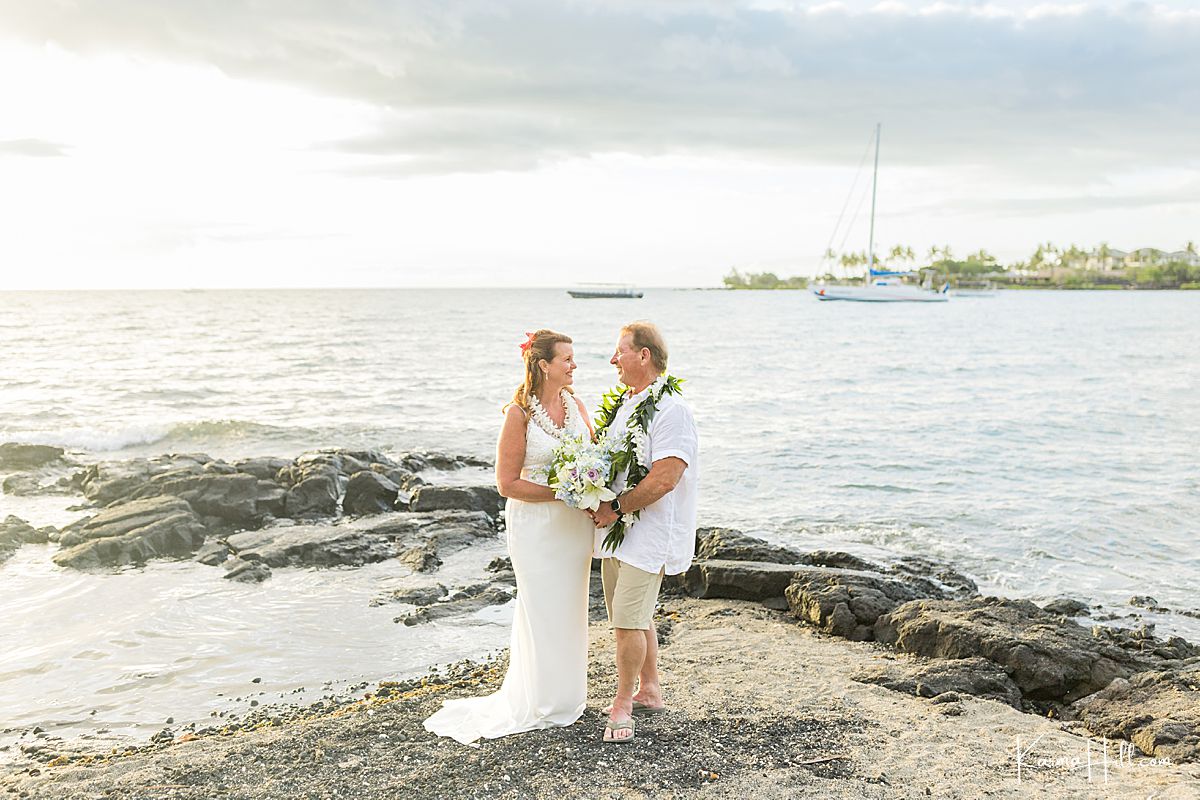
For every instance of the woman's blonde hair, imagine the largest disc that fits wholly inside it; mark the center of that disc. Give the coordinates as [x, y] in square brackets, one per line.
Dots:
[541, 346]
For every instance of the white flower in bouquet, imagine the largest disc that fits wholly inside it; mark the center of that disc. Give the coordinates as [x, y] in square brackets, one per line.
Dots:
[579, 473]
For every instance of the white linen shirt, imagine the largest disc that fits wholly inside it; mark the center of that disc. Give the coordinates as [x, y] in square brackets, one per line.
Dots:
[664, 535]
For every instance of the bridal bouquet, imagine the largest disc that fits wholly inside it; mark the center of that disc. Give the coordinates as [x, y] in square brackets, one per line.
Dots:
[579, 473]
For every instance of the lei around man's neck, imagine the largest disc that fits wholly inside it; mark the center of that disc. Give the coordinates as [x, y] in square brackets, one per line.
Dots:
[630, 455]
[612, 400]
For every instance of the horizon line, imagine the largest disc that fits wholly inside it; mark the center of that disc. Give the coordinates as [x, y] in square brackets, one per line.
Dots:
[564, 287]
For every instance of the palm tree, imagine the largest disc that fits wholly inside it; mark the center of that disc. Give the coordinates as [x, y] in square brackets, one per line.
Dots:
[982, 256]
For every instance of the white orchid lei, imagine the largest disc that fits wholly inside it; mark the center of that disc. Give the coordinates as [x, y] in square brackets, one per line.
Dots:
[632, 453]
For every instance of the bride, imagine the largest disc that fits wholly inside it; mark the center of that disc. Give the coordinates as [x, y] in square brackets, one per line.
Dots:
[551, 549]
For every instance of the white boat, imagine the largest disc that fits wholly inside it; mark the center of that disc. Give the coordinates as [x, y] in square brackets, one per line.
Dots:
[881, 291]
[974, 289]
[594, 291]
[881, 285]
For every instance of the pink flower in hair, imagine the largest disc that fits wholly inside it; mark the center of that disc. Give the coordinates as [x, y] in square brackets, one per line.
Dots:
[528, 343]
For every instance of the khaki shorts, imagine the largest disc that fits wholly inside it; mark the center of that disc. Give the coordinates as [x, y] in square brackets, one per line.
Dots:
[629, 594]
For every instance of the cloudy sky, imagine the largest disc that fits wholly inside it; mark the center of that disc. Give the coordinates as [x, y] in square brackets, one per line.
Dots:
[174, 144]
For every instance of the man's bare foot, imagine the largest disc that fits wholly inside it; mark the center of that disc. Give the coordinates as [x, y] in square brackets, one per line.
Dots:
[641, 706]
[620, 721]
[619, 731]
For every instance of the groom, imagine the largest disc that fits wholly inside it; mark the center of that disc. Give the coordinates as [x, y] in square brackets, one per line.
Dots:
[659, 515]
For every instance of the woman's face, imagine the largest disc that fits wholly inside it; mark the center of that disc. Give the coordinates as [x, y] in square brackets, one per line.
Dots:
[559, 372]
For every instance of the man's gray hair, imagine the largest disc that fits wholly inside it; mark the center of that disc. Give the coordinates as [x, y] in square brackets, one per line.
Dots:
[647, 335]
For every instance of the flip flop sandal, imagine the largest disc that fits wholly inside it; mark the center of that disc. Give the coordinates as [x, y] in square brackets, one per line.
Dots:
[640, 709]
[612, 727]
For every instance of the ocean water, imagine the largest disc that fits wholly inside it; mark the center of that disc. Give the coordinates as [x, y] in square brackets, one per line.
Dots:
[1043, 442]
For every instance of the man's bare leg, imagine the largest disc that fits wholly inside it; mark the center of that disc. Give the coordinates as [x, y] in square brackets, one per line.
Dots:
[631, 656]
[649, 688]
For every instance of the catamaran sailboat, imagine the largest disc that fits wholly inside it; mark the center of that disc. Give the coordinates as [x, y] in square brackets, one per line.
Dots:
[593, 291]
[881, 285]
[882, 289]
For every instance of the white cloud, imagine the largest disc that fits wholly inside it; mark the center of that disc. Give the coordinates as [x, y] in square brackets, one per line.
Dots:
[439, 137]
[471, 87]
[36, 148]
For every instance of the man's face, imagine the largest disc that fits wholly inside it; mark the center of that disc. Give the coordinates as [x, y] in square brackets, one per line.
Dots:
[625, 359]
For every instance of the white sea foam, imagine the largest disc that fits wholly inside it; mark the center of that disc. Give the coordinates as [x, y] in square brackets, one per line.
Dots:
[89, 440]
[110, 440]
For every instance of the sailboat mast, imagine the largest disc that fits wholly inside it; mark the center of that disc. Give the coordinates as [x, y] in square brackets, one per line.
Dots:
[874, 179]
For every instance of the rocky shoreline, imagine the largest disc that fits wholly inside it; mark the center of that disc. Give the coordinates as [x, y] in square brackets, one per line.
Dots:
[915, 631]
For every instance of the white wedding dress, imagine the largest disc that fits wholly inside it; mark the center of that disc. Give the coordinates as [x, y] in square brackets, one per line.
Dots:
[551, 549]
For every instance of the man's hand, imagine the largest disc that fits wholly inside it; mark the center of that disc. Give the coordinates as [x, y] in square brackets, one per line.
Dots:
[604, 515]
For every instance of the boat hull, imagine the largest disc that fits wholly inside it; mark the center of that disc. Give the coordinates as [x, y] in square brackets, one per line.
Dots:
[600, 295]
[886, 293]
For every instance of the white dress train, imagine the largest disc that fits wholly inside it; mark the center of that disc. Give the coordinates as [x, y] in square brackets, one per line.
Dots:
[551, 548]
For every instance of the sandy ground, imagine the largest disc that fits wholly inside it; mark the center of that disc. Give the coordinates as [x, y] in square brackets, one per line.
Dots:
[759, 707]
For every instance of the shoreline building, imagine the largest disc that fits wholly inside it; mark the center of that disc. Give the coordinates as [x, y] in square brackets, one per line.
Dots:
[1113, 261]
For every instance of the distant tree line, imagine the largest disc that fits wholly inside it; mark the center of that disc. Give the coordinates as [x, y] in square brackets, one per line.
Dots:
[1047, 266]
[762, 280]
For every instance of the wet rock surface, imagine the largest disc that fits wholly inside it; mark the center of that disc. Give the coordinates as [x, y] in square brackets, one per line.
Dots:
[1047, 656]
[44, 481]
[465, 601]
[737, 580]
[312, 497]
[228, 499]
[972, 676]
[458, 498]
[417, 596]
[370, 492]
[312, 484]
[361, 542]
[1150, 604]
[437, 602]
[727, 544]
[17, 456]
[1157, 711]
[14, 532]
[132, 533]
[265, 468]
[1067, 607]
[848, 603]
[235, 498]
[110, 481]
[237, 569]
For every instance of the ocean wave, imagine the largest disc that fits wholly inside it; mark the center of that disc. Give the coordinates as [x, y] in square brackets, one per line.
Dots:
[112, 440]
[878, 487]
[223, 429]
[170, 394]
[96, 440]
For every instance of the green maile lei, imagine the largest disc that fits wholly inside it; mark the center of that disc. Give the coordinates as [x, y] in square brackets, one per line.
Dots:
[631, 454]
